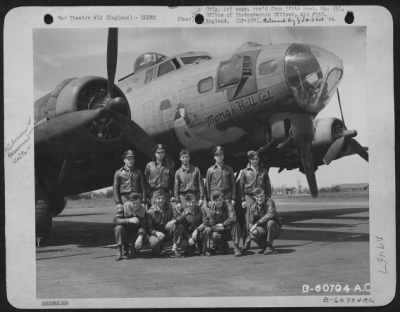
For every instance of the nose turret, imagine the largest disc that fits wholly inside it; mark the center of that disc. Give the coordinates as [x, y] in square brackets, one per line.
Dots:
[313, 75]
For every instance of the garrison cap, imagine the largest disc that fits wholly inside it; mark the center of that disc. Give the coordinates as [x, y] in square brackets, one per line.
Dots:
[128, 153]
[218, 150]
[251, 154]
[159, 148]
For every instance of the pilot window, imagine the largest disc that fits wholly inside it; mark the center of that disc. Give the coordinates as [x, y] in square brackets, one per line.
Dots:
[205, 85]
[268, 67]
[165, 68]
[230, 72]
[149, 75]
[194, 59]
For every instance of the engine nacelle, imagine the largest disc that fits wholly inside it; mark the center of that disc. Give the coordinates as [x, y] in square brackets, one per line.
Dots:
[85, 93]
[327, 130]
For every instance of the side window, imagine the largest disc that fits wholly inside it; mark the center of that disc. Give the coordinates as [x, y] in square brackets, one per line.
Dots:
[230, 72]
[149, 75]
[268, 67]
[165, 68]
[205, 85]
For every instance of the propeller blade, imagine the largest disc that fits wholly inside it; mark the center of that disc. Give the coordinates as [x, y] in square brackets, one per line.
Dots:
[357, 148]
[308, 167]
[135, 134]
[63, 124]
[334, 150]
[112, 54]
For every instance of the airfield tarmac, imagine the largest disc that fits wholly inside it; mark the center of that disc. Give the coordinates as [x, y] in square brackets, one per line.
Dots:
[323, 240]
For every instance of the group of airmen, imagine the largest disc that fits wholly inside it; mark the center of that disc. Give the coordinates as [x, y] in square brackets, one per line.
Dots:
[161, 206]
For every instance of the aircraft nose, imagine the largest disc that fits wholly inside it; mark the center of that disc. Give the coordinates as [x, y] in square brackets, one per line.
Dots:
[313, 75]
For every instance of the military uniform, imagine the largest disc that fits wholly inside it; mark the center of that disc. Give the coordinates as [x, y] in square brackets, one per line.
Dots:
[158, 218]
[126, 182]
[221, 179]
[187, 227]
[126, 233]
[188, 181]
[159, 178]
[264, 225]
[226, 216]
[250, 179]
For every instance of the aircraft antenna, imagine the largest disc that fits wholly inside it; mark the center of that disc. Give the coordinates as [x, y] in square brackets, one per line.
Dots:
[340, 105]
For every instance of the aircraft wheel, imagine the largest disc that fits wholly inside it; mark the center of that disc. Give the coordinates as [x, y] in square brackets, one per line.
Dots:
[43, 216]
[43, 221]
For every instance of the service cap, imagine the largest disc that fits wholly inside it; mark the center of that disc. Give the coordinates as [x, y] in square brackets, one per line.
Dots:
[218, 150]
[184, 151]
[128, 153]
[159, 148]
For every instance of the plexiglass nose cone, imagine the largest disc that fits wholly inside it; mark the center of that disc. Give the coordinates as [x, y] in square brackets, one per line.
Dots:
[313, 75]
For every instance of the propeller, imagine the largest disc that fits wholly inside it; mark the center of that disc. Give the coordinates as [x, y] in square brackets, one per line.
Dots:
[112, 55]
[112, 105]
[345, 137]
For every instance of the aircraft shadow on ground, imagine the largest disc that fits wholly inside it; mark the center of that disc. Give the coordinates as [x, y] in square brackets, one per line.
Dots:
[81, 215]
[83, 234]
[92, 234]
[289, 219]
[292, 216]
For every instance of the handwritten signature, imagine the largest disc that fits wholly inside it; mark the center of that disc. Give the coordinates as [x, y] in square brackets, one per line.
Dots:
[19, 146]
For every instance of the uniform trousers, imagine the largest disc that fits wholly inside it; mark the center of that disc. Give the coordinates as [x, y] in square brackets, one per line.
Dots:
[266, 234]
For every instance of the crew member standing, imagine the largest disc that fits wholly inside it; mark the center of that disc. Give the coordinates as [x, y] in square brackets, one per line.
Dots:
[158, 174]
[252, 177]
[128, 180]
[188, 181]
[220, 177]
[264, 225]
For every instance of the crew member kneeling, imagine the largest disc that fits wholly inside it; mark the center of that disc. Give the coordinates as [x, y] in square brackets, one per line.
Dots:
[221, 225]
[264, 225]
[159, 215]
[130, 226]
[187, 227]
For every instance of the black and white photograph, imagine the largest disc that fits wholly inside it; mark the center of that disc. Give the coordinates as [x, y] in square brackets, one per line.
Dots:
[201, 162]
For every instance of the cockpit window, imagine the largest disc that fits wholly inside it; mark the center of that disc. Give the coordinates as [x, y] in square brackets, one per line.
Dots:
[149, 75]
[230, 72]
[165, 68]
[194, 59]
[268, 67]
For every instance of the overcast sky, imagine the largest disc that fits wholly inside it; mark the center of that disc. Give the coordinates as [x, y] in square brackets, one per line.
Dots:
[63, 53]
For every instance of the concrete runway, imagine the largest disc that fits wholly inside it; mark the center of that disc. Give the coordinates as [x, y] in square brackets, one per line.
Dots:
[323, 241]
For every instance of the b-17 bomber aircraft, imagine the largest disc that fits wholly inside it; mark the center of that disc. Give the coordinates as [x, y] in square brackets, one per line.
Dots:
[264, 97]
